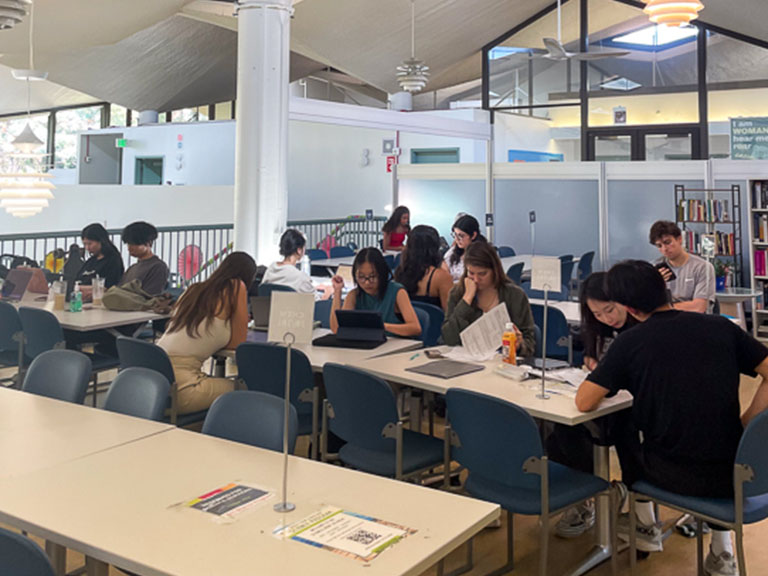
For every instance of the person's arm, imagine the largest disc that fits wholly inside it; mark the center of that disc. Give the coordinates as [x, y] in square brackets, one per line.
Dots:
[589, 395]
[411, 325]
[703, 291]
[458, 316]
[156, 279]
[760, 400]
[590, 363]
[696, 305]
[336, 304]
[385, 240]
[238, 321]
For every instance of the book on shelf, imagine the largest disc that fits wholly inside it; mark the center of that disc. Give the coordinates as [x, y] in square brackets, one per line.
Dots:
[760, 195]
[760, 226]
[696, 242]
[760, 257]
[703, 211]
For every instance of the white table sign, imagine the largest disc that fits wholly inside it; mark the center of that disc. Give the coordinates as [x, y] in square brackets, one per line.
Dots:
[291, 312]
[545, 273]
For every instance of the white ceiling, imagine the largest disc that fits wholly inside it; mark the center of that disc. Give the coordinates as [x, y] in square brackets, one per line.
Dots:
[166, 54]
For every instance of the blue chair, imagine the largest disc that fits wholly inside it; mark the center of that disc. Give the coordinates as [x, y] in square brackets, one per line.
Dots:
[11, 342]
[559, 338]
[59, 374]
[431, 335]
[560, 296]
[749, 505]
[20, 556]
[135, 353]
[514, 474]
[316, 254]
[584, 267]
[252, 418]
[42, 332]
[138, 392]
[261, 367]
[341, 252]
[566, 257]
[390, 260]
[515, 273]
[361, 410]
[323, 312]
[267, 289]
[396, 261]
[566, 272]
[424, 322]
[352, 246]
[505, 251]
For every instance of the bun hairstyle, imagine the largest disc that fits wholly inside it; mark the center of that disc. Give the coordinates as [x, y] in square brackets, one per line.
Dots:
[291, 242]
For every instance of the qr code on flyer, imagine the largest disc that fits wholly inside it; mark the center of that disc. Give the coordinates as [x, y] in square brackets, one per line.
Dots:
[363, 537]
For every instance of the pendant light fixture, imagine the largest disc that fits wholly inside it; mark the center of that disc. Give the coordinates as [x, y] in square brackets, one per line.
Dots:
[673, 12]
[24, 186]
[413, 74]
[12, 12]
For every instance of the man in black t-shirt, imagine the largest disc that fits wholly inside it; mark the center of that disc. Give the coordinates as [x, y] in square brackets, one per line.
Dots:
[683, 370]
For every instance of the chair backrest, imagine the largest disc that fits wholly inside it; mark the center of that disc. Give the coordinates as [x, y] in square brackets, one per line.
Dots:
[59, 374]
[752, 452]
[41, 330]
[557, 327]
[539, 294]
[253, 418]
[341, 251]
[505, 251]
[267, 289]
[495, 438]
[424, 322]
[20, 556]
[352, 246]
[566, 271]
[10, 324]
[135, 353]
[317, 254]
[363, 405]
[262, 368]
[390, 260]
[431, 335]
[566, 257]
[584, 267]
[515, 272]
[323, 312]
[139, 392]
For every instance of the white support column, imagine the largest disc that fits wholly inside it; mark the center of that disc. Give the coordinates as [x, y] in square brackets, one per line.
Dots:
[261, 149]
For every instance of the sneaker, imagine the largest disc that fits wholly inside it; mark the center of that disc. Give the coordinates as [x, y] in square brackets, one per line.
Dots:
[576, 520]
[620, 494]
[722, 565]
[648, 538]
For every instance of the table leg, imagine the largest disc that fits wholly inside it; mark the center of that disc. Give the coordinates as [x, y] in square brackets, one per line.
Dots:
[95, 567]
[57, 554]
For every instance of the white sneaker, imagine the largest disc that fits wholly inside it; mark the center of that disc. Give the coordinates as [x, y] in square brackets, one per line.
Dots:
[576, 520]
[722, 565]
[648, 538]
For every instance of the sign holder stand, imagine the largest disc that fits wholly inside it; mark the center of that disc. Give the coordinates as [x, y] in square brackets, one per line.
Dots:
[284, 506]
[543, 394]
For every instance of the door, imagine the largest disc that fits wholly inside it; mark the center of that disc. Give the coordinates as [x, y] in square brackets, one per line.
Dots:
[639, 143]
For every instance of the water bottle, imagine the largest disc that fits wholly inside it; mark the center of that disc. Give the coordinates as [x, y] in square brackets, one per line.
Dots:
[306, 267]
[76, 299]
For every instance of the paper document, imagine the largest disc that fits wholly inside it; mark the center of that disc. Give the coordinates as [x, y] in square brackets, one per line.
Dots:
[572, 376]
[230, 501]
[346, 533]
[482, 338]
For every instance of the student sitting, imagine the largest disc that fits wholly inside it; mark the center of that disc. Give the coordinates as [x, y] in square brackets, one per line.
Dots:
[292, 249]
[483, 286]
[72, 265]
[396, 229]
[465, 231]
[375, 291]
[149, 269]
[420, 271]
[105, 260]
[683, 370]
[209, 316]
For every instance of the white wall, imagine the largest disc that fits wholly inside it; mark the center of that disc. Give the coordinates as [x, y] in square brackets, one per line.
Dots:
[514, 132]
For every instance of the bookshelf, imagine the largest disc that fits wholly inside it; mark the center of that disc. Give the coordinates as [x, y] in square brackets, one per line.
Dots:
[758, 251]
[710, 219]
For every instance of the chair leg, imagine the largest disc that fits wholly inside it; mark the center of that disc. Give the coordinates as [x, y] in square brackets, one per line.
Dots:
[699, 547]
[614, 501]
[543, 544]
[315, 423]
[95, 387]
[742, 559]
[632, 535]
[510, 565]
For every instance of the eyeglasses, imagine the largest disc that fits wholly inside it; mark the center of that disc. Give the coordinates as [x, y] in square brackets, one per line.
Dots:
[367, 279]
[459, 235]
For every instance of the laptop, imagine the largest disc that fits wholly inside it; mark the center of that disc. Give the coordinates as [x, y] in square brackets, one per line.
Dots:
[345, 271]
[15, 284]
[260, 306]
[362, 329]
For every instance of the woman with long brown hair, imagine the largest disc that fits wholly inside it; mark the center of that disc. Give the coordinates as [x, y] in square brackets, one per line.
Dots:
[209, 316]
[482, 287]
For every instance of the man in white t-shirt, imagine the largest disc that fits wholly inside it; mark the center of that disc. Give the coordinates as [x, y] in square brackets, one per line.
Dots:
[693, 286]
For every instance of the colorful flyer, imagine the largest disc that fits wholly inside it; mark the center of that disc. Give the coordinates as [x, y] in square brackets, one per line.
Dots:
[346, 533]
[229, 501]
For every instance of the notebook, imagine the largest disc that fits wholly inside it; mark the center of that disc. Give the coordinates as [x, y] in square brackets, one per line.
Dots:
[15, 284]
[446, 369]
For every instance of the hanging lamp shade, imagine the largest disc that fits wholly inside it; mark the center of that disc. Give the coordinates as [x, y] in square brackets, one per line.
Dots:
[24, 194]
[12, 12]
[673, 12]
[26, 142]
[413, 74]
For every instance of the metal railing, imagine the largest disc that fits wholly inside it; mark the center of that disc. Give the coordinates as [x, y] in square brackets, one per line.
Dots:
[192, 253]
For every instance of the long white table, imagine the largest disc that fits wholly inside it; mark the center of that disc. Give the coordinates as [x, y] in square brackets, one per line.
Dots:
[348, 260]
[526, 259]
[122, 507]
[570, 310]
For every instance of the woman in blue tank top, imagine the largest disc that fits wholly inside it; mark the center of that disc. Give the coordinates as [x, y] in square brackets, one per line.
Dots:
[375, 291]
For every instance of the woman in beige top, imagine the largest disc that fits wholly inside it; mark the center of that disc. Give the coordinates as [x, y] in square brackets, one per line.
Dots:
[209, 316]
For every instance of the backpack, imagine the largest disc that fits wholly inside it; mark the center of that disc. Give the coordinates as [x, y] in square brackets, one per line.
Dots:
[130, 297]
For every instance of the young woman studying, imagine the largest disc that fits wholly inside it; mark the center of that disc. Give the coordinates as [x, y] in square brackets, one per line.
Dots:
[420, 271]
[293, 245]
[483, 286]
[375, 291]
[396, 229]
[465, 231]
[105, 260]
[209, 316]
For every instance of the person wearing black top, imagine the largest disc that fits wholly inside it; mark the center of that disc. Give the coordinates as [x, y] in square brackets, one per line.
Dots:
[683, 370]
[105, 260]
[421, 269]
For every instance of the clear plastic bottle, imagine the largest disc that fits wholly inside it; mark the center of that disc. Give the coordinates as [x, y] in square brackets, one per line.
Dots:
[305, 264]
[509, 344]
[76, 301]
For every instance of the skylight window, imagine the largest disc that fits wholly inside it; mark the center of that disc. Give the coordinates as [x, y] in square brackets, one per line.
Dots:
[657, 36]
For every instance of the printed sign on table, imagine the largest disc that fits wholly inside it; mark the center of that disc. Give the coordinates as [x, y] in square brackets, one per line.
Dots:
[545, 273]
[291, 312]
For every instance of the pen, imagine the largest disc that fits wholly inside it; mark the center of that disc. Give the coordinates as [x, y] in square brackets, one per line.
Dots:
[414, 356]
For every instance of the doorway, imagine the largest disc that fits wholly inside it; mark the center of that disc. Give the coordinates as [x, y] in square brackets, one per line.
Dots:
[638, 143]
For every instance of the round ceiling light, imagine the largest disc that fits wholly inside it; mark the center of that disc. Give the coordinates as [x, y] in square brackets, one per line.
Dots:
[673, 12]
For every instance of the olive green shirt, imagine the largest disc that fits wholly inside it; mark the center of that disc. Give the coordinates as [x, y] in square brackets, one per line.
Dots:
[459, 315]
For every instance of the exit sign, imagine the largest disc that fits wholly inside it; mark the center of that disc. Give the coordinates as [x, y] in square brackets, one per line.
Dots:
[121, 142]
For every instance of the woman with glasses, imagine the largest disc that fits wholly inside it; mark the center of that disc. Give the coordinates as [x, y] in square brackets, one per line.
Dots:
[483, 286]
[375, 291]
[421, 271]
[466, 230]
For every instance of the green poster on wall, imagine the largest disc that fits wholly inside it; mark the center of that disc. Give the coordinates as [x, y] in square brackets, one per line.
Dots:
[749, 138]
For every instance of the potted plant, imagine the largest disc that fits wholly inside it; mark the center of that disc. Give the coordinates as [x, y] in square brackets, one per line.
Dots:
[722, 269]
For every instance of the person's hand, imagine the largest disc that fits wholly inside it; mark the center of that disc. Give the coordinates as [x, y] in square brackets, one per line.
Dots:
[666, 273]
[338, 284]
[470, 290]
[590, 363]
[518, 337]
